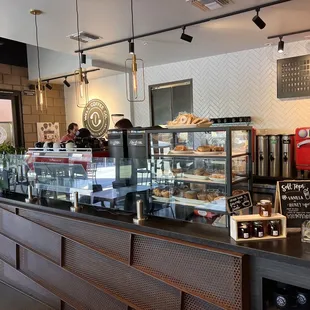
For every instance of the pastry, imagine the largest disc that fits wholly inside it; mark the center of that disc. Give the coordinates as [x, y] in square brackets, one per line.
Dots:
[218, 176]
[188, 119]
[165, 193]
[176, 171]
[206, 174]
[204, 148]
[157, 192]
[218, 197]
[197, 120]
[190, 195]
[202, 196]
[237, 192]
[218, 149]
[199, 171]
[180, 148]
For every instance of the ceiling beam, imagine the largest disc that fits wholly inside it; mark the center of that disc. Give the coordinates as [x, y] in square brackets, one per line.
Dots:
[202, 21]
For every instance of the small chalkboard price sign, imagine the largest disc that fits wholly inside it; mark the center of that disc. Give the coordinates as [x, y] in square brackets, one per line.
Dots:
[239, 202]
[294, 200]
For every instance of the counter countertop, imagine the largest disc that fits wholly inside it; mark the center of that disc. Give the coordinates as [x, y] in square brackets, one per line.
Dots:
[290, 250]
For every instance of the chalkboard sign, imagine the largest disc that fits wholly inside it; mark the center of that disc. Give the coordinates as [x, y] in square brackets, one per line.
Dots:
[239, 202]
[294, 198]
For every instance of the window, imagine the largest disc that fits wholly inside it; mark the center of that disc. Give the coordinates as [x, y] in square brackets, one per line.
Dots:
[169, 99]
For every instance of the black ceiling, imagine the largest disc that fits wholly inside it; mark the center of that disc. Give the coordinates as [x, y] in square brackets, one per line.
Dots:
[13, 53]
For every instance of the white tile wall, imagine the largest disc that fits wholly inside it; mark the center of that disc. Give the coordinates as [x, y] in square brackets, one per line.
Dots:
[243, 83]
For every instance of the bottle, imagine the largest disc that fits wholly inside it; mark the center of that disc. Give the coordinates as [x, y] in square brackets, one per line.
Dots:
[282, 299]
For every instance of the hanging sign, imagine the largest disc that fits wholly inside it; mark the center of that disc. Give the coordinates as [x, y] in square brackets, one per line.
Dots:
[293, 198]
[96, 118]
[239, 202]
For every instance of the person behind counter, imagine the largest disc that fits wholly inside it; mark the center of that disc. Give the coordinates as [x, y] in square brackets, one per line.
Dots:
[72, 130]
[123, 123]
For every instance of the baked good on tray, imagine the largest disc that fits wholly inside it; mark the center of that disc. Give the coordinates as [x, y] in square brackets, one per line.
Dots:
[190, 195]
[204, 148]
[217, 176]
[180, 148]
[165, 193]
[188, 119]
[199, 171]
[157, 192]
[176, 171]
[217, 149]
[202, 196]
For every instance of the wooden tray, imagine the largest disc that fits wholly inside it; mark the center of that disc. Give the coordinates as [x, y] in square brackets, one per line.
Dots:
[182, 126]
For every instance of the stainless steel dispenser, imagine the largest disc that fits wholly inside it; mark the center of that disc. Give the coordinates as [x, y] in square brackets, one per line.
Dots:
[288, 158]
[275, 156]
[262, 156]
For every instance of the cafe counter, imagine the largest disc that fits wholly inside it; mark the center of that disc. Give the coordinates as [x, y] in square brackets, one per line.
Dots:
[99, 259]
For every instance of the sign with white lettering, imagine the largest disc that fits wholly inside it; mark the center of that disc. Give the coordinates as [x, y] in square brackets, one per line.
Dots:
[294, 198]
[239, 202]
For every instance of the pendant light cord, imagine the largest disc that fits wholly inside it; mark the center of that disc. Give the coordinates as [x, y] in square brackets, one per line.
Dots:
[132, 23]
[78, 30]
[38, 49]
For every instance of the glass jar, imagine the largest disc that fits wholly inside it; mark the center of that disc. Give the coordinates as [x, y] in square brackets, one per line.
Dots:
[265, 208]
[258, 229]
[244, 231]
[274, 228]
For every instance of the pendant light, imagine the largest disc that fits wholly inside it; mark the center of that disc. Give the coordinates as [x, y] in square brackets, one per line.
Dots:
[81, 83]
[135, 85]
[40, 89]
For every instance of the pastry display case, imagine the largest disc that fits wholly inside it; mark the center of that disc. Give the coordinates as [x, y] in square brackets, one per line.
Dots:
[195, 168]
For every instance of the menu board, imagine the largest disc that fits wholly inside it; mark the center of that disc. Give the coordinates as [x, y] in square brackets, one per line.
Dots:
[239, 202]
[294, 77]
[294, 198]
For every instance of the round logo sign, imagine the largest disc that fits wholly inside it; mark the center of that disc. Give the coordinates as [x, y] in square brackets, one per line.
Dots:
[96, 118]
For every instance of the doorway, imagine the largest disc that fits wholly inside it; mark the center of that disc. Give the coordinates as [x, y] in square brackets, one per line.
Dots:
[169, 99]
[11, 119]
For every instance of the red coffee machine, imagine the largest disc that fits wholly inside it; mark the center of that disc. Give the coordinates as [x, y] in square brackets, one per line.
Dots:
[302, 136]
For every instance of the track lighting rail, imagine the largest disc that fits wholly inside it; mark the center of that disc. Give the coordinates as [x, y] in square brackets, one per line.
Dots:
[184, 25]
[67, 75]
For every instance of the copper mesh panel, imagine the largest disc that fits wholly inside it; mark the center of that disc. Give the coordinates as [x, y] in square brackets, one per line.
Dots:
[136, 288]
[214, 276]
[7, 208]
[193, 303]
[65, 285]
[7, 250]
[67, 307]
[111, 242]
[31, 235]
[12, 277]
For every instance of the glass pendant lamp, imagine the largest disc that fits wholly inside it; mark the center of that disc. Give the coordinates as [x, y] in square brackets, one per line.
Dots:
[134, 70]
[81, 82]
[40, 88]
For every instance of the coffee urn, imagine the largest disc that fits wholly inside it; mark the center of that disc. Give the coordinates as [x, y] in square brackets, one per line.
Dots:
[118, 147]
[262, 155]
[288, 145]
[275, 155]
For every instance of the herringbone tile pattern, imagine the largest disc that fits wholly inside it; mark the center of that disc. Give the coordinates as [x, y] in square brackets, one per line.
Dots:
[243, 83]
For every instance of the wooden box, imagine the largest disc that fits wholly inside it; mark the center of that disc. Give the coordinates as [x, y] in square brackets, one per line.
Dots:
[235, 220]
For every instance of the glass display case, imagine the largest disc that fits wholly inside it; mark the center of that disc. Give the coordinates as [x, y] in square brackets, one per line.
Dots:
[198, 167]
[189, 186]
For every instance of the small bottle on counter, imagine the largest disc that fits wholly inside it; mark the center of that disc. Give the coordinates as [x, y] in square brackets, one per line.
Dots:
[274, 228]
[258, 229]
[265, 208]
[244, 230]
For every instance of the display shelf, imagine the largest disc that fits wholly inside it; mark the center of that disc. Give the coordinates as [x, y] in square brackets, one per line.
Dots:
[210, 207]
[235, 220]
[193, 155]
[208, 129]
[189, 180]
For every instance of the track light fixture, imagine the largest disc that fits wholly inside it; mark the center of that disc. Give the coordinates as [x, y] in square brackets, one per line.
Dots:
[281, 45]
[66, 82]
[83, 58]
[258, 21]
[186, 37]
[131, 47]
[48, 85]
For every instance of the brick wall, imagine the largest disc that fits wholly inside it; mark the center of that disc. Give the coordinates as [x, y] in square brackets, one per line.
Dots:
[16, 78]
